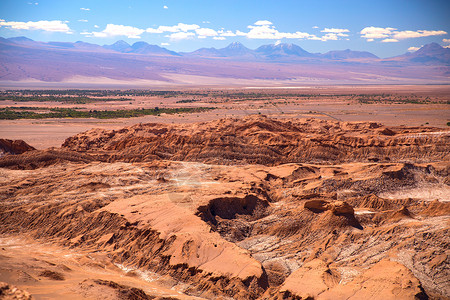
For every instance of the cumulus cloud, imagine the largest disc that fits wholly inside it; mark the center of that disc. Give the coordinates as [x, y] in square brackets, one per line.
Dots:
[165, 44]
[446, 40]
[412, 49]
[329, 37]
[265, 30]
[180, 27]
[262, 29]
[165, 7]
[407, 34]
[181, 35]
[389, 41]
[269, 32]
[263, 23]
[226, 33]
[84, 8]
[83, 20]
[376, 32]
[335, 30]
[52, 26]
[204, 32]
[390, 34]
[315, 27]
[112, 30]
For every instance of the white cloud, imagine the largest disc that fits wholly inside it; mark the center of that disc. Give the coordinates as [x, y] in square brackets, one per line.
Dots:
[329, 36]
[165, 44]
[446, 40]
[119, 30]
[315, 27]
[268, 32]
[96, 26]
[263, 23]
[263, 32]
[261, 29]
[83, 20]
[389, 41]
[227, 33]
[84, 8]
[206, 22]
[390, 34]
[219, 38]
[376, 32]
[335, 30]
[412, 49]
[153, 30]
[175, 28]
[204, 32]
[315, 38]
[407, 34]
[165, 7]
[52, 26]
[181, 35]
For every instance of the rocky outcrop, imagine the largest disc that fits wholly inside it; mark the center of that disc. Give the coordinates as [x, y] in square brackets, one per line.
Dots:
[262, 140]
[14, 147]
[385, 280]
[10, 292]
[336, 207]
[309, 281]
[37, 159]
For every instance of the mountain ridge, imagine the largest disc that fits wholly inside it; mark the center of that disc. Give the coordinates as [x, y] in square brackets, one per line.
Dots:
[25, 59]
[434, 51]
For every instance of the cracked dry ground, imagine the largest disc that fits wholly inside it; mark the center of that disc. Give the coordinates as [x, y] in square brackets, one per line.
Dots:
[252, 208]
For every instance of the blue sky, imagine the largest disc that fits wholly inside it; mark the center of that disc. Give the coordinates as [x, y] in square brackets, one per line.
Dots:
[383, 27]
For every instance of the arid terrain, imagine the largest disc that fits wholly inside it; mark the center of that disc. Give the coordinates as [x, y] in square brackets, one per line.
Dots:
[412, 105]
[272, 194]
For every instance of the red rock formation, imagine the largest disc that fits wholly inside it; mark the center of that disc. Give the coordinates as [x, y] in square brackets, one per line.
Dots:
[14, 146]
[262, 140]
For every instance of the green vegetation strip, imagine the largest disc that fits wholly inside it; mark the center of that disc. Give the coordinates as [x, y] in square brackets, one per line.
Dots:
[71, 99]
[28, 113]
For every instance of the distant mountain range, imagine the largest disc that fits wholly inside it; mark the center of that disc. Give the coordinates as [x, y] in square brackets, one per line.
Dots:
[23, 59]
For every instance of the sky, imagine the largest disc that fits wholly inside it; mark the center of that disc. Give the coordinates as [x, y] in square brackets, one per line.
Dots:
[383, 27]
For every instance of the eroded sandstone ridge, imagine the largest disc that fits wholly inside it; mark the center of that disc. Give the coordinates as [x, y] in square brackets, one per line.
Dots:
[253, 208]
[262, 140]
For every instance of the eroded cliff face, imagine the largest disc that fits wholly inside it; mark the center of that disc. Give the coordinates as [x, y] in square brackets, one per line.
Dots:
[14, 147]
[221, 225]
[262, 140]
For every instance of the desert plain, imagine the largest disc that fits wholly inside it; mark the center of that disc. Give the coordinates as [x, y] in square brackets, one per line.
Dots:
[293, 192]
